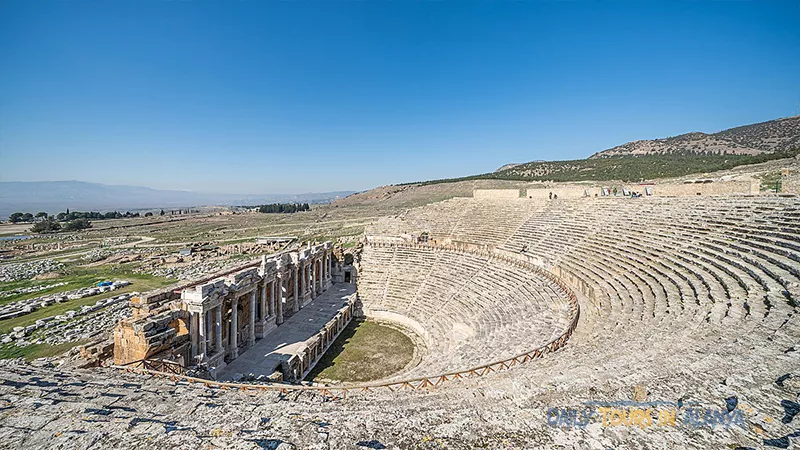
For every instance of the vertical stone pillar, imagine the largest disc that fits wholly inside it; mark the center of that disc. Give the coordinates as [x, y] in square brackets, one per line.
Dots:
[307, 285]
[271, 305]
[325, 275]
[251, 331]
[296, 286]
[279, 298]
[322, 271]
[218, 325]
[319, 276]
[201, 334]
[193, 319]
[234, 333]
[313, 272]
[264, 314]
[303, 280]
[207, 319]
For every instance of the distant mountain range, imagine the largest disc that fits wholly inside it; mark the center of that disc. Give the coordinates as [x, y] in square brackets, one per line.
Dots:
[754, 139]
[56, 196]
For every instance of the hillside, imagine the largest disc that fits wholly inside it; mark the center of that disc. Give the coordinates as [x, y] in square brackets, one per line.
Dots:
[633, 168]
[754, 139]
[755, 149]
[690, 153]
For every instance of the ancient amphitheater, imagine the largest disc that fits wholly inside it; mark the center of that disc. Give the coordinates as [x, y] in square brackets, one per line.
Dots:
[672, 319]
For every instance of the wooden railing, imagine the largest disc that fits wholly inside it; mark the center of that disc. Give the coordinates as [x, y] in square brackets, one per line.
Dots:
[155, 365]
[413, 384]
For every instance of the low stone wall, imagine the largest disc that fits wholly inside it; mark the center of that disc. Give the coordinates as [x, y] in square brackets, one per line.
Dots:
[576, 282]
[401, 321]
[790, 185]
[496, 193]
[713, 188]
[562, 192]
[744, 187]
[301, 363]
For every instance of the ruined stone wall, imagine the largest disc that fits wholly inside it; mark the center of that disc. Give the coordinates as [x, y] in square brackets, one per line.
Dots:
[790, 185]
[563, 191]
[137, 339]
[495, 193]
[160, 326]
[144, 305]
[715, 188]
[659, 189]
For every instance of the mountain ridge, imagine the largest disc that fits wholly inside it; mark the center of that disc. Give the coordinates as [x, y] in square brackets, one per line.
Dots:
[753, 139]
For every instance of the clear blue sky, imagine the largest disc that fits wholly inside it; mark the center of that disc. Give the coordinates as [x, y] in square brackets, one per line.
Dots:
[300, 96]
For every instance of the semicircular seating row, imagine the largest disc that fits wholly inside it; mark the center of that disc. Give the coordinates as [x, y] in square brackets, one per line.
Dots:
[699, 289]
[468, 309]
[477, 221]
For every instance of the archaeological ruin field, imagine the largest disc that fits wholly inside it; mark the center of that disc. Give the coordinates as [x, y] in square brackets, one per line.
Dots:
[469, 314]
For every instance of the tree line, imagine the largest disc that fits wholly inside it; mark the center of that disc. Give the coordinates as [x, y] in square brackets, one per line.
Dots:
[283, 208]
[67, 216]
[50, 225]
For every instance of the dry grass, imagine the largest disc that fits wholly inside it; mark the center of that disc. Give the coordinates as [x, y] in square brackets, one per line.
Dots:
[365, 351]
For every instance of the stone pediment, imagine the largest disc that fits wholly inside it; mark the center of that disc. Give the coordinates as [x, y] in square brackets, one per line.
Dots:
[317, 251]
[205, 296]
[295, 258]
[282, 262]
[243, 279]
[304, 254]
[268, 268]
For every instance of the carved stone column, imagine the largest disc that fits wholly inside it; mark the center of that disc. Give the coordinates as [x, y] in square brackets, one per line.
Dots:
[307, 286]
[218, 320]
[279, 298]
[207, 319]
[330, 268]
[251, 330]
[271, 305]
[234, 327]
[325, 269]
[195, 350]
[319, 276]
[264, 314]
[313, 272]
[201, 335]
[297, 300]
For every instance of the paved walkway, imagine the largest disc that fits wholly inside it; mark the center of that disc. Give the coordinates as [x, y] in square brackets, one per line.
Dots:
[265, 356]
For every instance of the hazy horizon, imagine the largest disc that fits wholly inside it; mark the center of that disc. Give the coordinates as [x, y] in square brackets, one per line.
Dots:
[197, 191]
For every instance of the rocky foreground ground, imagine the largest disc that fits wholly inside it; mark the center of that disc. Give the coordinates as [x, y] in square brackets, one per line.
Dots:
[47, 405]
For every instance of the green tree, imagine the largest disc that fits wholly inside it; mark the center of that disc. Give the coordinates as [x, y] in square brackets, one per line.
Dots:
[16, 217]
[77, 224]
[46, 226]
